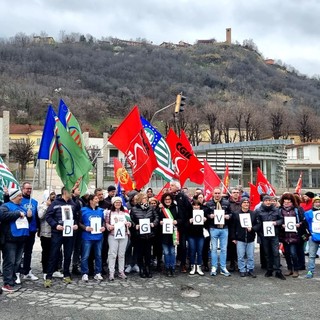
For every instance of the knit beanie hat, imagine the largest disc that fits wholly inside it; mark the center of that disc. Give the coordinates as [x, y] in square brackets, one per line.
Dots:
[14, 192]
[315, 199]
[309, 194]
[244, 199]
[114, 199]
[267, 198]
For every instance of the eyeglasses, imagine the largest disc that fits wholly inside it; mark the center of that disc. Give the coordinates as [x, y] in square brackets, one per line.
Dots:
[167, 199]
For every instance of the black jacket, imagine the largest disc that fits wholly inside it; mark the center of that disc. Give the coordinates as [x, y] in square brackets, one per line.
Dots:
[237, 232]
[212, 205]
[54, 213]
[185, 209]
[269, 213]
[137, 212]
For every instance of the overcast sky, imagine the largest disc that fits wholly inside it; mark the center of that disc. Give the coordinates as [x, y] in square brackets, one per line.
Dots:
[286, 30]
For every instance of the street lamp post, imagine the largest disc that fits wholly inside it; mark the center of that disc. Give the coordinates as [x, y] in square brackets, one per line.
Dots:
[166, 107]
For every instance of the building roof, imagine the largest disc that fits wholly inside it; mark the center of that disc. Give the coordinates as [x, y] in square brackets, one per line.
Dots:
[24, 128]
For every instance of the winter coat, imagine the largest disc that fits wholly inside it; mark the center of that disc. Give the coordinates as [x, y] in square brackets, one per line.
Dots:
[269, 213]
[237, 232]
[212, 205]
[137, 212]
[313, 219]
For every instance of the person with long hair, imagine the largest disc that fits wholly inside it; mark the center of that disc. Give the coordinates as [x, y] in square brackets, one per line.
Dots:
[91, 238]
[145, 233]
[169, 210]
[116, 218]
[291, 239]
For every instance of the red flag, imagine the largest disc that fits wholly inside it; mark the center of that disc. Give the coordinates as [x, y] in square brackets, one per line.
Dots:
[131, 139]
[211, 180]
[254, 196]
[122, 176]
[299, 185]
[197, 176]
[263, 185]
[184, 161]
[226, 180]
[162, 191]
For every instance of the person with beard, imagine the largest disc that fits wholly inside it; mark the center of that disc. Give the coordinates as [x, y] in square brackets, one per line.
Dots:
[218, 232]
[168, 209]
[268, 213]
[313, 219]
[185, 210]
[235, 206]
[142, 210]
[291, 240]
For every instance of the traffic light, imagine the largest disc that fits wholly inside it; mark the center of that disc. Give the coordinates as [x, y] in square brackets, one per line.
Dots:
[180, 102]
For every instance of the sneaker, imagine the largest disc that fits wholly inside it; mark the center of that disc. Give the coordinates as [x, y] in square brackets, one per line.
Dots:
[199, 271]
[67, 280]
[309, 275]
[18, 280]
[57, 274]
[225, 272]
[47, 283]
[8, 288]
[122, 276]
[98, 277]
[30, 276]
[44, 276]
[85, 278]
[136, 268]
[213, 271]
[128, 269]
[242, 274]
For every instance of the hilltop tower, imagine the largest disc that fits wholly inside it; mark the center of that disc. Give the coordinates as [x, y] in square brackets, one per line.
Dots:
[228, 35]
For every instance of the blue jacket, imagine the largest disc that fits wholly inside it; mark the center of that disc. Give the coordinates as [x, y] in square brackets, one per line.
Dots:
[34, 208]
[86, 214]
[310, 218]
[9, 213]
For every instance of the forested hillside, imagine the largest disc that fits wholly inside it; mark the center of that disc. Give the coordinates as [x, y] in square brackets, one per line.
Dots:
[227, 86]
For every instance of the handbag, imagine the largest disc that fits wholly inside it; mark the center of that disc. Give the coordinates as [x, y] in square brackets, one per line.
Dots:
[206, 233]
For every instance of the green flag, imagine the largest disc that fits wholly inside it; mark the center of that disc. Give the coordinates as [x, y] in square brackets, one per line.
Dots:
[70, 122]
[72, 163]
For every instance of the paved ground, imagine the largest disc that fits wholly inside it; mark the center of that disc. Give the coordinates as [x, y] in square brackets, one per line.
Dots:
[184, 296]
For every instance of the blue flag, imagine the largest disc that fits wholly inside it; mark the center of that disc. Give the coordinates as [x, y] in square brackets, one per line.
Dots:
[119, 194]
[47, 134]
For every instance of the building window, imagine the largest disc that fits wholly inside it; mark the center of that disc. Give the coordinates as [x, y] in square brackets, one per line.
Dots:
[300, 154]
[113, 153]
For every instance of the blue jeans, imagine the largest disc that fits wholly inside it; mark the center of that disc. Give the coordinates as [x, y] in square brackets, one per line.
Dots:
[196, 246]
[291, 255]
[313, 248]
[221, 235]
[245, 249]
[169, 254]
[12, 254]
[57, 240]
[86, 248]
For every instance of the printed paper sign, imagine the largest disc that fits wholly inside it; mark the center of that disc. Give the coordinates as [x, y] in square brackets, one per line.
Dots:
[66, 212]
[95, 224]
[218, 216]
[290, 224]
[114, 218]
[316, 216]
[198, 217]
[144, 226]
[268, 229]
[68, 230]
[316, 227]
[245, 220]
[167, 227]
[22, 223]
[119, 230]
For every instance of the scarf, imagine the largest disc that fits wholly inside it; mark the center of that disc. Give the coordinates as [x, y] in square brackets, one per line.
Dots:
[175, 235]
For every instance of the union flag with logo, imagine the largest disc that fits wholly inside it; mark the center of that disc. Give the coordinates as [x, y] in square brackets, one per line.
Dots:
[121, 175]
[263, 185]
[184, 161]
[131, 139]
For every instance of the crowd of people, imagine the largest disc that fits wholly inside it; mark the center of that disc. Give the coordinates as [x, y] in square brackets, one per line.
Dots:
[110, 237]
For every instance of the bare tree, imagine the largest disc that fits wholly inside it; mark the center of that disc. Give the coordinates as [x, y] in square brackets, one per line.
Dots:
[211, 116]
[22, 151]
